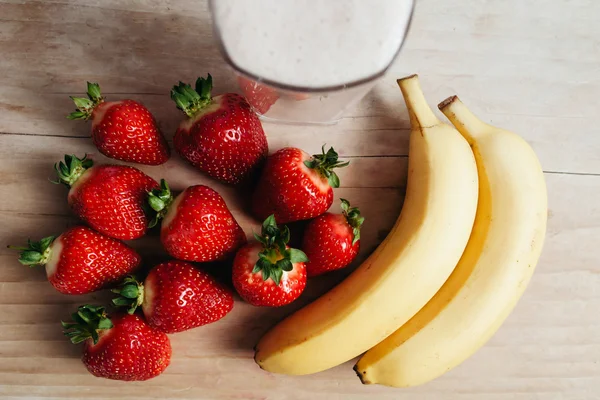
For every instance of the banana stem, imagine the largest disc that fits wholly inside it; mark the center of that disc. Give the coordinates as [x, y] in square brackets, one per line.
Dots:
[421, 115]
[461, 117]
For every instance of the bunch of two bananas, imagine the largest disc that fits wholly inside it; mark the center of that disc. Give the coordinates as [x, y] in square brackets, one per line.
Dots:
[449, 273]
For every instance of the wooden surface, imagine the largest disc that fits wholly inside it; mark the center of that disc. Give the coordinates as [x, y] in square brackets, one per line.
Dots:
[529, 66]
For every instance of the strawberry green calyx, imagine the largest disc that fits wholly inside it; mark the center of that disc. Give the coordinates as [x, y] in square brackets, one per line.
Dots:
[85, 107]
[36, 253]
[87, 321]
[159, 201]
[355, 220]
[325, 164]
[191, 101]
[131, 294]
[276, 257]
[71, 169]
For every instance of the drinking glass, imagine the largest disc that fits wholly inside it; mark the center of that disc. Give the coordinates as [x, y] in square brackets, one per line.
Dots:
[307, 61]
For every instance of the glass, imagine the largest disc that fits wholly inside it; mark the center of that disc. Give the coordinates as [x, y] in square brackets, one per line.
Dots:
[307, 61]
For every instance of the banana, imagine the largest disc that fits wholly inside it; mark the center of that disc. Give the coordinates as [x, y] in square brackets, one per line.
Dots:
[498, 262]
[405, 271]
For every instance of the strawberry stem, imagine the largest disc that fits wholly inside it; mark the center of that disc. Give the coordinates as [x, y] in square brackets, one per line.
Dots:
[87, 321]
[85, 107]
[355, 220]
[35, 253]
[71, 169]
[130, 294]
[159, 201]
[325, 163]
[191, 101]
[276, 257]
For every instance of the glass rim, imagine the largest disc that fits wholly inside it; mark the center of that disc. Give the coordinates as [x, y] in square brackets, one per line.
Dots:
[305, 89]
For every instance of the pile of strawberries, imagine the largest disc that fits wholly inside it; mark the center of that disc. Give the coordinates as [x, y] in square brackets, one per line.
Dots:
[222, 137]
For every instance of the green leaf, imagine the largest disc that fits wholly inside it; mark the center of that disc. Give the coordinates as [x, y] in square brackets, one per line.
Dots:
[86, 163]
[72, 168]
[77, 115]
[266, 272]
[31, 258]
[281, 247]
[285, 234]
[356, 233]
[310, 164]
[276, 274]
[331, 154]
[156, 203]
[285, 264]
[334, 180]
[204, 86]
[85, 315]
[82, 103]
[86, 322]
[264, 263]
[67, 325]
[165, 186]
[269, 222]
[81, 338]
[297, 256]
[153, 221]
[130, 291]
[121, 301]
[261, 265]
[105, 323]
[345, 205]
[95, 336]
[46, 242]
[93, 92]
[271, 232]
[261, 239]
[191, 101]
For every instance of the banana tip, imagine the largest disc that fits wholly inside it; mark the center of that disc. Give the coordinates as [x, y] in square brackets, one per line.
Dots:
[406, 78]
[445, 103]
[362, 375]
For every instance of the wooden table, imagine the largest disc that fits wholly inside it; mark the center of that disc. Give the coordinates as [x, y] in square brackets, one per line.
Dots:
[529, 66]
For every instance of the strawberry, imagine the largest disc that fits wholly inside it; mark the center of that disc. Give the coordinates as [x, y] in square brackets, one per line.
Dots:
[124, 130]
[122, 347]
[175, 297]
[81, 260]
[268, 272]
[260, 96]
[222, 136]
[331, 241]
[197, 225]
[295, 186]
[109, 198]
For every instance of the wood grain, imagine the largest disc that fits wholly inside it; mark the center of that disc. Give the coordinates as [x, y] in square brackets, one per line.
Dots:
[532, 67]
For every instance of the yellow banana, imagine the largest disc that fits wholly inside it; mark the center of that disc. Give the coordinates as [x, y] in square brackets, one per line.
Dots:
[498, 262]
[405, 271]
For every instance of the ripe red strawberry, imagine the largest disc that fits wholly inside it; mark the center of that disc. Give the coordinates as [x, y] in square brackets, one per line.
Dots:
[124, 130]
[260, 96]
[222, 136]
[331, 241]
[122, 347]
[197, 225]
[175, 297]
[295, 186]
[268, 272]
[81, 260]
[109, 198]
